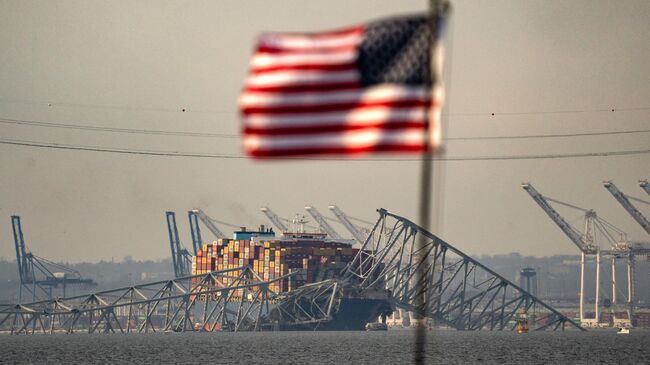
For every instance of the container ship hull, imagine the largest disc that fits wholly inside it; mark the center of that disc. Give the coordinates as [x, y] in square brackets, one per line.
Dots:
[352, 315]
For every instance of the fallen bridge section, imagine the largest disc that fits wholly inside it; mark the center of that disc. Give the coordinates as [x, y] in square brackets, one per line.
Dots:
[229, 300]
[459, 291]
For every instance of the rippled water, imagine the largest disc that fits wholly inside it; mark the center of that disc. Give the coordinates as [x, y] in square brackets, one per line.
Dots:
[392, 347]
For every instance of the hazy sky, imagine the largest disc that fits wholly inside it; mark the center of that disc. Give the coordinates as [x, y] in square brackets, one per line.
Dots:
[543, 67]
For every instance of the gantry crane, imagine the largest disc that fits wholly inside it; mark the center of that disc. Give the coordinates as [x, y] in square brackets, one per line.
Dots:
[181, 258]
[584, 242]
[356, 232]
[320, 219]
[38, 276]
[275, 219]
[587, 244]
[210, 223]
[645, 186]
[621, 248]
[627, 205]
[195, 231]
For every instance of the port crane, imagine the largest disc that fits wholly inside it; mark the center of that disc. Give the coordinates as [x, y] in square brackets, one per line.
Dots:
[645, 186]
[587, 243]
[322, 222]
[210, 223]
[584, 242]
[358, 233]
[181, 258]
[195, 231]
[624, 200]
[275, 219]
[37, 275]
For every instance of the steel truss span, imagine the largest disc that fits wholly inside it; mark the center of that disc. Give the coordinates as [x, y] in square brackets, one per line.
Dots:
[228, 300]
[459, 291]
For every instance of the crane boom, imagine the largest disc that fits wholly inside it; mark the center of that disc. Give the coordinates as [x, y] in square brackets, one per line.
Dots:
[21, 252]
[322, 222]
[625, 202]
[571, 232]
[195, 230]
[277, 222]
[645, 186]
[356, 233]
[179, 254]
[39, 275]
[209, 222]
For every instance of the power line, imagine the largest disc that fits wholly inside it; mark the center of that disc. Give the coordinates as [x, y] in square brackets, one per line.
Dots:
[36, 123]
[232, 156]
[213, 111]
[557, 135]
[114, 129]
[566, 111]
[114, 107]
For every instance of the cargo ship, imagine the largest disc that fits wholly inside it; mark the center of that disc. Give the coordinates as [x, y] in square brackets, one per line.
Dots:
[312, 259]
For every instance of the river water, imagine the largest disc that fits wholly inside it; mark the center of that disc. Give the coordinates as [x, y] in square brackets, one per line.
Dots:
[391, 347]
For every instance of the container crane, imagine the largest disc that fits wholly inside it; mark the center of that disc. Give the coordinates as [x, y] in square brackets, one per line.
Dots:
[627, 205]
[356, 232]
[38, 276]
[210, 223]
[181, 258]
[195, 230]
[645, 186]
[585, 242]
[322, 222]
[620, 248]
[275, 219]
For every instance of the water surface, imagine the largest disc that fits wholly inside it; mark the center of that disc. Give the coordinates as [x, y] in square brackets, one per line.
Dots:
[391, 347]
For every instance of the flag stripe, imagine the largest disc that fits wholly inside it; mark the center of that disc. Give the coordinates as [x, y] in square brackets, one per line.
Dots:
[276, 51]
[352, 117]
[314, 108]
[306, 67]
[262, 61]
[317, 129]
[345, 150]
[298, 77]
[325, 86]
[360, 138]
[379, 92]
[310, 41]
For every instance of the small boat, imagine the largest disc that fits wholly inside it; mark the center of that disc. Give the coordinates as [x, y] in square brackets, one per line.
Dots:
[522, 322]
[376, 326]
[623, 331]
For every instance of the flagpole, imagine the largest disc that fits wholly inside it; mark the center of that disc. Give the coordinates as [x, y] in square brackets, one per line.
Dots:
[425, 195]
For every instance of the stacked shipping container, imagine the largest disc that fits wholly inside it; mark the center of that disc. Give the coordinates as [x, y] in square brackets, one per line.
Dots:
[314, 260]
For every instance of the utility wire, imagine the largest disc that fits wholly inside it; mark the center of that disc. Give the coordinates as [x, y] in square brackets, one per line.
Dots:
[567, 111]
[115, 107]
[35, 123]
[232, 156]
[113, 129]
[212, 111]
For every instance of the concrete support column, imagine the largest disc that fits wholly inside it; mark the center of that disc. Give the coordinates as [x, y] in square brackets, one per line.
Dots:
[613, 280]
[597, 303]
[582, 287]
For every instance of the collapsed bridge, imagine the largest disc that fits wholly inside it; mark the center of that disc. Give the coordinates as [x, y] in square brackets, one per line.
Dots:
[459, 292]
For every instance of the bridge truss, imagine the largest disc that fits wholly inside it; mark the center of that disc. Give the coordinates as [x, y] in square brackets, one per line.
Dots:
[459, 291]
[228, 300]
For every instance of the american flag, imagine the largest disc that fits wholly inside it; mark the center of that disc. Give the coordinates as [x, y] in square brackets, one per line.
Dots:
[357, 90]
